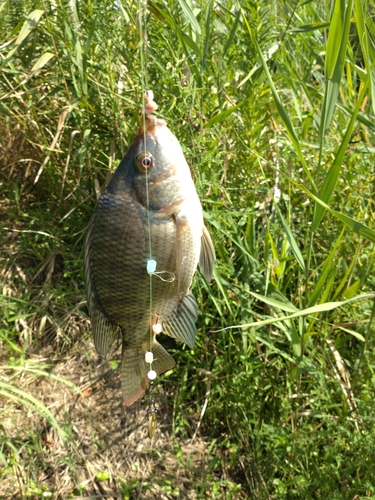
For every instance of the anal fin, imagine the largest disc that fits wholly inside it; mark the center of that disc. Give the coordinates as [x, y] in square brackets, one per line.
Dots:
[134, 369]
[162, 360]
[180, 324]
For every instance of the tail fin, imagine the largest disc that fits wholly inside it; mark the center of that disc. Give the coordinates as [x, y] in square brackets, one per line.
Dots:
[134, 370]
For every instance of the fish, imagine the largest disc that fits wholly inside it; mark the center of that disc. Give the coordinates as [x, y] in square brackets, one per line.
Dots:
[144, 242]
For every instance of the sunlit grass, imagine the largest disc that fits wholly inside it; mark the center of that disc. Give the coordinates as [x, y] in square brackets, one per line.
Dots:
[273, 106]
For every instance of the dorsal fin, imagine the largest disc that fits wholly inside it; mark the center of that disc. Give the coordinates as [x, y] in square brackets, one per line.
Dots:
[103, 329]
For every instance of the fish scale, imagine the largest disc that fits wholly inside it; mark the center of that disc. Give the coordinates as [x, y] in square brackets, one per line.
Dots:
[139, 213]
[125, 304]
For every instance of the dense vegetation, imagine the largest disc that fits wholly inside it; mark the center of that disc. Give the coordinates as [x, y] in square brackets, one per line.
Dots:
[273, 105]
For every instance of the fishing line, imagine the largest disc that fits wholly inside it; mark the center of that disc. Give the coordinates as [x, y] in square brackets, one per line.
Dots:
[151, 263]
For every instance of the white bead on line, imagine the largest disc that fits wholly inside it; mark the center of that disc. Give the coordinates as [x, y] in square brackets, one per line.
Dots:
[149, 357]
[151, 266]
[157, 328]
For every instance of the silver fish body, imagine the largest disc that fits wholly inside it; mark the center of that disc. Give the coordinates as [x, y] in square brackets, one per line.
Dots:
[149, 211]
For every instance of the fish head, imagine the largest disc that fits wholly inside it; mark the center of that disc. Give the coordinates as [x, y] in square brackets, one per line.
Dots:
[156, 168]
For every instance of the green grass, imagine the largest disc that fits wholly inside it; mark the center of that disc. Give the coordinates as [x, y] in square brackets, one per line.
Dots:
[261, 96]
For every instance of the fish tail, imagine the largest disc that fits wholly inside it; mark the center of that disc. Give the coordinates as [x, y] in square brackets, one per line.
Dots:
[134, 369]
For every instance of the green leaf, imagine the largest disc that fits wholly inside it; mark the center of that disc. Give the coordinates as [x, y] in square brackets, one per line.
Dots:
[42, 61]
[207, 34]
[351, 332]
[344, 280]
[319, 308]
[223, 289]
[125, 15]
[102, 475]
[335, 36]
[292, 242]
[334, 62]
[274, 48]
[25, 399]
[367, 47]
[306, 28]
[189, 17]
[28, 26]
[281, 110]
[331, 178]
[356, 226]
[352, 290]
[284, 306]
[232, 33]
[325, 272]
[231, 237]
[220, 117]
[184, 39]
[4, 110]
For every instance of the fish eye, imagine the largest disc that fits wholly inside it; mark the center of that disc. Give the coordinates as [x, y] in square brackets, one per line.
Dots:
[144, 161]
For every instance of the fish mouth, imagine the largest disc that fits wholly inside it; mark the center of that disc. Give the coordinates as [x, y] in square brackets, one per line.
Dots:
[150, 132]
[151, 124]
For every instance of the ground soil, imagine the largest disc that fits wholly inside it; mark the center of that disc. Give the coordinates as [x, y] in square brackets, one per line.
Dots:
[108, 443]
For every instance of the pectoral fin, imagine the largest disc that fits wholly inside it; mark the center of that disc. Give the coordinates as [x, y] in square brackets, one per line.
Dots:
[181, 226]
[207, 256]
[181, 323]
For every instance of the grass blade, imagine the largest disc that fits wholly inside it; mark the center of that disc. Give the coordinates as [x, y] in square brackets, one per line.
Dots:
[42, 61]
[325, 271]
[190, 19]
[335, 35]
[28, 26]
[335, 54]
[319, 308]
[184, 39]
[356, 226]
[280, 108]
[232, 33]
[367, 47]
[331, 178]
[220, 117]
[207, 34]
[292, 242]
[26, 399]
[306, 28]
[284, 306]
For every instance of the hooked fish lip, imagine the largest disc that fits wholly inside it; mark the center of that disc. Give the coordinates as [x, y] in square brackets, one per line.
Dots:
[151, 124]
[150, 132]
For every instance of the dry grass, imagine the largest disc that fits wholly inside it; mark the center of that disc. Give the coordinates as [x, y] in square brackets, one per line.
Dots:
[107, 452]
[105, 437]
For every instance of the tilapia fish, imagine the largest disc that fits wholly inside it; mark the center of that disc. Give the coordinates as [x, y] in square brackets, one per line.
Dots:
[150, 211]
